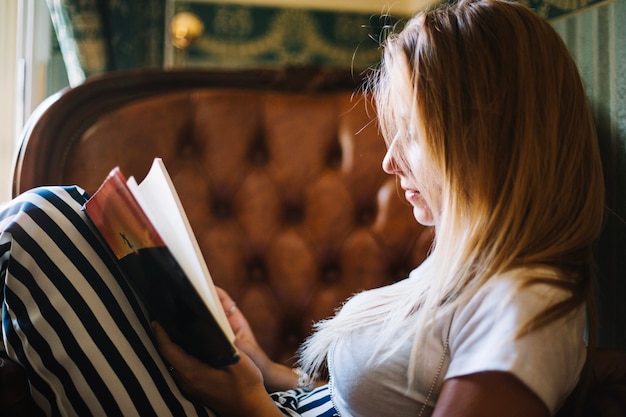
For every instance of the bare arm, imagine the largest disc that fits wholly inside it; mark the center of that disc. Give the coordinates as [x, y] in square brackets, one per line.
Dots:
[488, 394]
[277, 377]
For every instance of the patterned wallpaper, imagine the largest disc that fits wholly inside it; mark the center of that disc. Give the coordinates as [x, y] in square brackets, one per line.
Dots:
[242, 36]
[97, 36]
[596, 40]
[552, 9]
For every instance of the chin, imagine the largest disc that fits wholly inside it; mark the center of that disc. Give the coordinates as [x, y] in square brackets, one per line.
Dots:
[423, 217]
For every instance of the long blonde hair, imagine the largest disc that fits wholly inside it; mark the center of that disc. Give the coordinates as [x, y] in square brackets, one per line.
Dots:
[496, 101]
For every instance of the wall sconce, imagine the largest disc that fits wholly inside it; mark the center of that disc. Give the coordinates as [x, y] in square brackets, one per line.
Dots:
[186, 29]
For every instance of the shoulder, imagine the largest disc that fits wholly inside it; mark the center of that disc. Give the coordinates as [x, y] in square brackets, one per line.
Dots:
[511, 302]
[484, 336]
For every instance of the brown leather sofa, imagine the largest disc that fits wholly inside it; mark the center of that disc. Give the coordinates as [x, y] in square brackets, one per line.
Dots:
[279, 172]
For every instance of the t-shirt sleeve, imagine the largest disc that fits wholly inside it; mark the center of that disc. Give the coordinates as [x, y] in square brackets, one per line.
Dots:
[483, 337]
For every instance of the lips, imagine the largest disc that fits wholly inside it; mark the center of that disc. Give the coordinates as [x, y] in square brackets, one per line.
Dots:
[411, 194]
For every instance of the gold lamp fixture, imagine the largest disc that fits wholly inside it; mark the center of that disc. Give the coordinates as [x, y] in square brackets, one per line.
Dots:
[186, 28]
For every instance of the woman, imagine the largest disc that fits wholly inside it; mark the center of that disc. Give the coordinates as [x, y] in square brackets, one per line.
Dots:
[490, 137]
[489, 134]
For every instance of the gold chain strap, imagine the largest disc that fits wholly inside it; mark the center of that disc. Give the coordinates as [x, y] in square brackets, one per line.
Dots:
[436, 378]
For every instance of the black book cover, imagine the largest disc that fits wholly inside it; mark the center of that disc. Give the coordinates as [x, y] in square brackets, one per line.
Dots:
[156, 277]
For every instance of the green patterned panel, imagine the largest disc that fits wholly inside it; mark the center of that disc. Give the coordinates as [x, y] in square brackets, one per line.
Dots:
[596, 40]
[255, 36]
[135, 33]
[96, 36]
[552, 9]
[80, 31]
[241, 36]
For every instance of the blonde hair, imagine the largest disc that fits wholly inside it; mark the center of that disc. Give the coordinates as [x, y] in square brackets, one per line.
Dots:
[495, 100]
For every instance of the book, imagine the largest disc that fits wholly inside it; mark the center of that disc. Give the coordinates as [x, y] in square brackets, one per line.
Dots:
[147, 231]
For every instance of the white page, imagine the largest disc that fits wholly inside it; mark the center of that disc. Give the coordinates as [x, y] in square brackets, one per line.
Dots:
[158, 198]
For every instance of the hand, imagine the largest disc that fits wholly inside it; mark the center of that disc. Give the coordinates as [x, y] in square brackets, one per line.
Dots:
[277, 377]
[235, 390]
[244, 337]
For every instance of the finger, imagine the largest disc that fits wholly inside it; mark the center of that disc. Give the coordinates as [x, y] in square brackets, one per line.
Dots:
[228, 304]
[172, 353]
[223, 295]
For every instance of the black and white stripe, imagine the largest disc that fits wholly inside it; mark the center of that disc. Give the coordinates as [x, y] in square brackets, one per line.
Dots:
[72, 321]
[297, 402]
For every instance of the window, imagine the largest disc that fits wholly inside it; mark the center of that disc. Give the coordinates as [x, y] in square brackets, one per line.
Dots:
[8, 86]
[30, 70]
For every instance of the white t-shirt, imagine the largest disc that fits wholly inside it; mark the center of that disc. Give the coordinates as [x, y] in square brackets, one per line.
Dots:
[482, 337]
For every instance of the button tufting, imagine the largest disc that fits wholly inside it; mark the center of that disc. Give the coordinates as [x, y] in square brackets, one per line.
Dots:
[366, 215]
[293, 214]
[222, 209]
[331, 273]
[257, 271]
[334, 157]
[292, 331]
[258, 154]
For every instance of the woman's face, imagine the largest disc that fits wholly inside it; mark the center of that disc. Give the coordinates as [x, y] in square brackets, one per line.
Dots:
[415, 182]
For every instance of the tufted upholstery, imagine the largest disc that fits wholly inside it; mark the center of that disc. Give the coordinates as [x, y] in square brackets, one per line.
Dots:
[281, 181]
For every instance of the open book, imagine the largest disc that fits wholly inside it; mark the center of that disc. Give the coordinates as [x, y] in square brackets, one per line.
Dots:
[147, 231]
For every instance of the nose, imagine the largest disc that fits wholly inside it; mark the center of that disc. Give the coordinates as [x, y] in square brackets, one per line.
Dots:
[389, 163]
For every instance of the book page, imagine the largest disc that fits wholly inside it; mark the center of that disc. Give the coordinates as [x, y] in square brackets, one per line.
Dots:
[158, 198]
